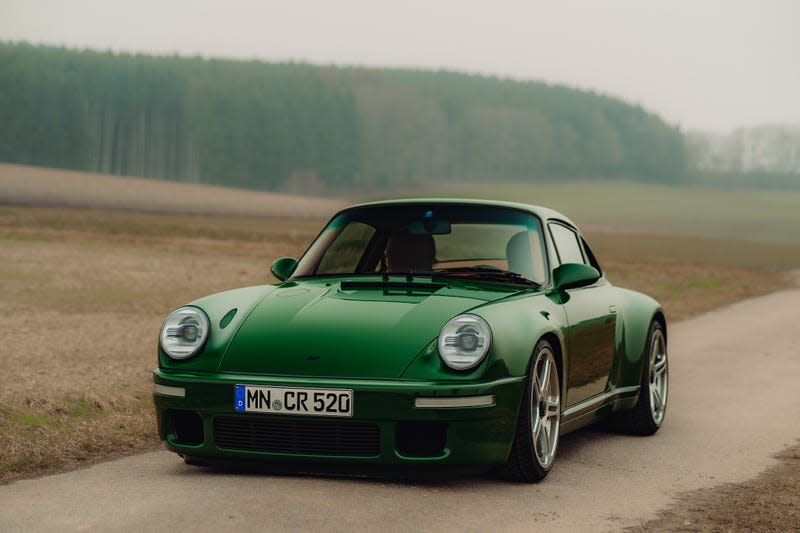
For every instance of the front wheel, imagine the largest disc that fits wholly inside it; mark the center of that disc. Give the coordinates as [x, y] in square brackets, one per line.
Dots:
[536, 439]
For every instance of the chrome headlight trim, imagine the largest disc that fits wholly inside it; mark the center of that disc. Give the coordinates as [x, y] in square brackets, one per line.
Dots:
[464, 341]
[184, 333]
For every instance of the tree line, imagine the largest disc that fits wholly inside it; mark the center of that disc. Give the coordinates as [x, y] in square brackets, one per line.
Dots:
[765, 156]
[306, 128]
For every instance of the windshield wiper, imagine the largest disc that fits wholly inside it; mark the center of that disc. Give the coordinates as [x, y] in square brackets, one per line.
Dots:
[484, 272]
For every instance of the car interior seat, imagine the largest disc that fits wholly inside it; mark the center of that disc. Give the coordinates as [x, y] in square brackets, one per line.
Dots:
[520, 256]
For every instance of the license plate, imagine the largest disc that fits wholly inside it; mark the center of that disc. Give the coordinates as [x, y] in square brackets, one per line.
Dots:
[291, 401]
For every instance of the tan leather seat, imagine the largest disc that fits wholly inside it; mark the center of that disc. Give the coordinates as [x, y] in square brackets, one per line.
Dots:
[406, 252]
[519, 256]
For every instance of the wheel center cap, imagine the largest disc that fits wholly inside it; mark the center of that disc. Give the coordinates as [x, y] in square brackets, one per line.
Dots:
[542, 408]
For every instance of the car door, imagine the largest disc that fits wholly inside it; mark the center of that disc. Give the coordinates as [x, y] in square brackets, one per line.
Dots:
[591, 318]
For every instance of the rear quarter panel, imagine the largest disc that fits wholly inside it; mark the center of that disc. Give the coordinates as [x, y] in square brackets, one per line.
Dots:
[635, 314]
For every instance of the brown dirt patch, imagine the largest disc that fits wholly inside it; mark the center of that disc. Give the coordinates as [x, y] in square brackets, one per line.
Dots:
[770, 502]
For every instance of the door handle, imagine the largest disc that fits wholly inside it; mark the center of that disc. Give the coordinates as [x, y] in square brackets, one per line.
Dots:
[612, 309]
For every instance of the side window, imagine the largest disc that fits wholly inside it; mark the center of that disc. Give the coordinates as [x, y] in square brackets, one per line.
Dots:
[567, 245]
[590, 256]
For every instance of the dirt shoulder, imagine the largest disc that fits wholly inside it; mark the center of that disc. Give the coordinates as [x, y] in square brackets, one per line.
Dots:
[770, 502]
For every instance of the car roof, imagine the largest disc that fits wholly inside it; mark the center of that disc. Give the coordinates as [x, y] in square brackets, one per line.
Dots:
[545, 213]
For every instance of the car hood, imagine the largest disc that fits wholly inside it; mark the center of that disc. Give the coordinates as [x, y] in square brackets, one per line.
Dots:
[358, 330]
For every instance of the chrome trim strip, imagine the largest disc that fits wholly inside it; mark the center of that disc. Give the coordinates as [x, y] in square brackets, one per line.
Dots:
[165, 390]
[463, 401]
[597, 402]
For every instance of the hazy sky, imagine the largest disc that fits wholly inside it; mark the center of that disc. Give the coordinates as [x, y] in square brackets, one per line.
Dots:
[702, 64]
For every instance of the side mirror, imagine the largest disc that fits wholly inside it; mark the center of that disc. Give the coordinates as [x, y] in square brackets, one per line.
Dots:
[283, 268]
[571, 275]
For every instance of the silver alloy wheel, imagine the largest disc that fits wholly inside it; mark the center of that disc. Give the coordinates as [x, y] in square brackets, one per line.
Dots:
[545, 408]
[658, 377]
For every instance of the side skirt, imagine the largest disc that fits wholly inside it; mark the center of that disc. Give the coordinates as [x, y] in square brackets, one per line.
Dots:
[586, 412]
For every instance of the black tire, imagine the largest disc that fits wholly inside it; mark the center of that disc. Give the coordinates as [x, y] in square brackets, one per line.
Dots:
[527, 461]
[644, 419]
[194, 461]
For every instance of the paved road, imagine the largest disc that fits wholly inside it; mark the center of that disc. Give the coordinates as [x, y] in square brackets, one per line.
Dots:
[734, 402]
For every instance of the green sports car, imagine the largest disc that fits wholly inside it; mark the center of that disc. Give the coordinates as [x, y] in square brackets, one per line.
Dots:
[416, 332]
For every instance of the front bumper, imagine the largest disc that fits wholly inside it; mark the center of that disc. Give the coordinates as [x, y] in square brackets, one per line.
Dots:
[479, 434]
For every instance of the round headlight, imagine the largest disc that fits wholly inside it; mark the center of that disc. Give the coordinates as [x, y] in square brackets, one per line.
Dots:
[184, 332]
[464, 341]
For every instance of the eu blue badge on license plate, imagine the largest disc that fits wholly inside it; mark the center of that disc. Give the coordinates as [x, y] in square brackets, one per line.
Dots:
[239, 398]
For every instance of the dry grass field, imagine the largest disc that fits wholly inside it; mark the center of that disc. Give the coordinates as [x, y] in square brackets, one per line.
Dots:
[765, 215]
[36, 186]
[83, 294]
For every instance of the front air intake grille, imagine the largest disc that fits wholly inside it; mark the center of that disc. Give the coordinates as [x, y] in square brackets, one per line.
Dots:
[297, 436]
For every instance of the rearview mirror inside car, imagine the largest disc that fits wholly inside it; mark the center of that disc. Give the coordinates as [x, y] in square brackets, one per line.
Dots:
[429, 227]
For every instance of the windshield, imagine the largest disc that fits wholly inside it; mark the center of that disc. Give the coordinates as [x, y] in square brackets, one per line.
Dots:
[428, 238]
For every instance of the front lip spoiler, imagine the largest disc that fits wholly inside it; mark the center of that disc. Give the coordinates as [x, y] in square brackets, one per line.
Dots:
[457, 402]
